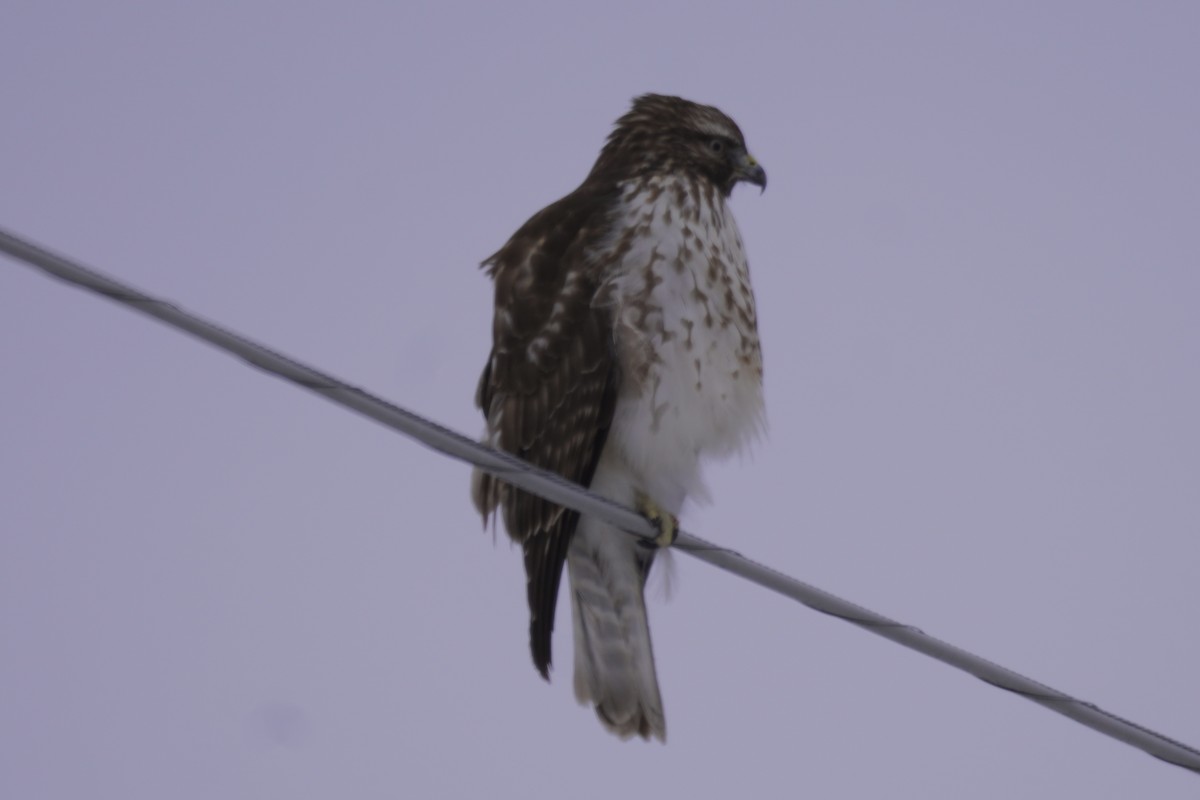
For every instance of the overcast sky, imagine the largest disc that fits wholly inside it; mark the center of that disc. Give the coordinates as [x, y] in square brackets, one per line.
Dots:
[978, 273]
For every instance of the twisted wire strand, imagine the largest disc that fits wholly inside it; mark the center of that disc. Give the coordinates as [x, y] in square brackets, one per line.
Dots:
[558, 490]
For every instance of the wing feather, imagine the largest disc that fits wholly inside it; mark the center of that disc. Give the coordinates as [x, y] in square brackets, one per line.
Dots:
[549, 388]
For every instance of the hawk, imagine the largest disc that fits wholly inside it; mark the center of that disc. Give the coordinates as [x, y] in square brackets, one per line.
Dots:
[624, 350]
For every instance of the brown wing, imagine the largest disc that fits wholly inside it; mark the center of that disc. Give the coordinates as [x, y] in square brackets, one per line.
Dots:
[549, 388]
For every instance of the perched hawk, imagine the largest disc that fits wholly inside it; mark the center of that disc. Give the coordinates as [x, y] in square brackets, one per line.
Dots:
[625, 349]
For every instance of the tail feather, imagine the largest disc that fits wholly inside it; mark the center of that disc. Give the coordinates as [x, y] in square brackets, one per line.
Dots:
[614, 659]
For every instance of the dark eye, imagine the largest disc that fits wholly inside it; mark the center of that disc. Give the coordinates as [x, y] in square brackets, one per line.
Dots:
[717, 146]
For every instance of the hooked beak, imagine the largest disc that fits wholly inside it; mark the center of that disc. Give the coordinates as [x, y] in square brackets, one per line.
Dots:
[749, 170]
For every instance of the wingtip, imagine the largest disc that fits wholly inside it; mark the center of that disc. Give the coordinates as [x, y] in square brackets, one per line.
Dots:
[539, 648]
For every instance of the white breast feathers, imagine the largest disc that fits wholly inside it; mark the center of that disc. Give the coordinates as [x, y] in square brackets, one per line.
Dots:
[686, 335]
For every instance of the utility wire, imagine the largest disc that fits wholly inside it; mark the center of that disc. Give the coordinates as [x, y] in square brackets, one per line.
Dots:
[554, 488]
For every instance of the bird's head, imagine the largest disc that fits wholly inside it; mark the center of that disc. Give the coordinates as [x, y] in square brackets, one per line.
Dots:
[669, 134]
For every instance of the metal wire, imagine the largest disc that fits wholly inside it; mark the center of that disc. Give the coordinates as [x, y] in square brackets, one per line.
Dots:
[558, 490]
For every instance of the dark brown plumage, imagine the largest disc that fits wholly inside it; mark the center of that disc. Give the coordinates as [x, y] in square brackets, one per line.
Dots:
[550, 405]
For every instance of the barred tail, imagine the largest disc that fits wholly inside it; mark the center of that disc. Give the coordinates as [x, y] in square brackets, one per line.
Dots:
[614, 660]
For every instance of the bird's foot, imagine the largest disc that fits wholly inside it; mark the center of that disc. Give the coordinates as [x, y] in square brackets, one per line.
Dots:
[665, 522]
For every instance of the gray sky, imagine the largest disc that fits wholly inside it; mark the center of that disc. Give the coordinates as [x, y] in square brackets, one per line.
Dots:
[977, 271]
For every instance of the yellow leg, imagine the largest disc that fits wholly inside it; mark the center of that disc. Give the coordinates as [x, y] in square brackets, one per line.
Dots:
[666, 522]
